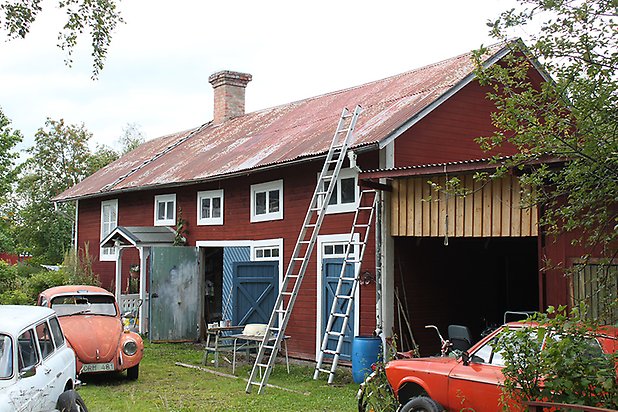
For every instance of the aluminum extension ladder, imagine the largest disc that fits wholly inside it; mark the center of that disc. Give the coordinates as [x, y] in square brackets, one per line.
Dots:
[343, 301]
[302, 251]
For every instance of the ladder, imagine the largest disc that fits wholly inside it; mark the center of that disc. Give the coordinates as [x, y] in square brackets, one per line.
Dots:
[302, 251]
[343, 300]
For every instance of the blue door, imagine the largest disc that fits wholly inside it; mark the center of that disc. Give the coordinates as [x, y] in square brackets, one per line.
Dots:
[331, 269]
[255, 291]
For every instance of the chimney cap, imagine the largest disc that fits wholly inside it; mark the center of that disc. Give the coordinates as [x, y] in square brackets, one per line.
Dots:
[229, 77]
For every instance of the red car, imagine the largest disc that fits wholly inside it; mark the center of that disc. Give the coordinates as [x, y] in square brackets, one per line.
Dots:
[91, 321]
[448, 383]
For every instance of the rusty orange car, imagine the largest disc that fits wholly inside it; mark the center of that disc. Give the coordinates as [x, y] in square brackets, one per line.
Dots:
[472, 381]
[91, 320]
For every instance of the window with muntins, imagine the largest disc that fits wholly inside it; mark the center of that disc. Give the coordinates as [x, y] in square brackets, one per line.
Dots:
[345, 193]
[210, 207]
[165, 210]
[266, 253]
[267, 201]
[109, 221]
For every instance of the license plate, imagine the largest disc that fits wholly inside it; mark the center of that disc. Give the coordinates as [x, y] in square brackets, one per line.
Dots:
[98, 367]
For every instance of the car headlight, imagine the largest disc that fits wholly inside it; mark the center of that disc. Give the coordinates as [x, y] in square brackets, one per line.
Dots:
[129, 347]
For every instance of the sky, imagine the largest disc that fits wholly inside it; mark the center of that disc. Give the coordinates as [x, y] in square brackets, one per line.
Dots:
[157, 67]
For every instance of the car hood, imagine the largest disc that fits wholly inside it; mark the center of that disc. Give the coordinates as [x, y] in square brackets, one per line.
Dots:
[94, 338]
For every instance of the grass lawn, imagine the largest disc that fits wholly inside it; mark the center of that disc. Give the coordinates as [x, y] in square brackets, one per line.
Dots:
[164, 386]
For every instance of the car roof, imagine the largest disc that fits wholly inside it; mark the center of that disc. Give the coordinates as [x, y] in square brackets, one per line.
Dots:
[17, 317]
[76, 289]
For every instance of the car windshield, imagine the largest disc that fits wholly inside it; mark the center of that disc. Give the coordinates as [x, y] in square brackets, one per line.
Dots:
[6, 357]
[80, 304]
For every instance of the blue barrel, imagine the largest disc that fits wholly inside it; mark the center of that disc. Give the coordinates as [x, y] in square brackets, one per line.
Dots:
[366, 350]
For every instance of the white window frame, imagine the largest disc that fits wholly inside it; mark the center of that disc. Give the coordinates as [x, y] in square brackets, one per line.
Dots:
[339, 207]
[167, 221]
[267, 187]
[209, 194]
[108, 254]
[270, 249]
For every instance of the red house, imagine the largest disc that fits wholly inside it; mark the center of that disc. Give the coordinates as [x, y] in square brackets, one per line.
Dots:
[241, 184]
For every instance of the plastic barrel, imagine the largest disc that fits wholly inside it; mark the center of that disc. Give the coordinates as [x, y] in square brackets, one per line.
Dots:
[365, 352]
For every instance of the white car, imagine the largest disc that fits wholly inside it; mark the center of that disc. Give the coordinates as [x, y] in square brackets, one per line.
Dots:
[37, 368]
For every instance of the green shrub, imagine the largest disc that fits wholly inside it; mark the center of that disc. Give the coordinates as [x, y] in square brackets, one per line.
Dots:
[558, 362]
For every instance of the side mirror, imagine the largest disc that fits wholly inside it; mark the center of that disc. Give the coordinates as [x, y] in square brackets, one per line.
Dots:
[28, 372]
[465, 357]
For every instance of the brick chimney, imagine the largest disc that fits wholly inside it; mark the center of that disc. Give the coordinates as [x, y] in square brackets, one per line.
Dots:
[229, 88]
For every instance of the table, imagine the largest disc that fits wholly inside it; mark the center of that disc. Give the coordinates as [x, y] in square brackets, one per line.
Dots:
[216, 341]
[254, 341]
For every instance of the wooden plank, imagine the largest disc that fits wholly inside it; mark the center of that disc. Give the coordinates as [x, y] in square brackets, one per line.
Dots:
[403, 207]
[496, 208]
[442, 207]
[452, 214]
[486, 216]
[478, 209]
[418, 208]
[395, 208]
[507, 185]
[526, 219]
[468, 209]
[411, 207]
[425, 190]
[515, 208]
[434, 214]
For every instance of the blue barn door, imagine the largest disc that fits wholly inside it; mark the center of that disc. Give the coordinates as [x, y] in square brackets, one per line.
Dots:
[255, 291]
[331, 269]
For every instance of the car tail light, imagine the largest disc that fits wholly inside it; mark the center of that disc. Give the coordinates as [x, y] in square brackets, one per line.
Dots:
[129, 348]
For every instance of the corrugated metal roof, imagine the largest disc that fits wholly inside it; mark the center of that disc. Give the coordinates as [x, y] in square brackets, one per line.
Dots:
[278, 135]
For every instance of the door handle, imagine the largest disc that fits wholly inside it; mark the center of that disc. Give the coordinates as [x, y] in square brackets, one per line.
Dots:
[47, 371]
[155, 295]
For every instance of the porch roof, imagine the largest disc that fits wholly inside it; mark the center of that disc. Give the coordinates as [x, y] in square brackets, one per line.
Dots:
[139, 236]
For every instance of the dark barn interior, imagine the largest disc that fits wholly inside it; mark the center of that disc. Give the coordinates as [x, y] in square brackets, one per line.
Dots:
[470, 282]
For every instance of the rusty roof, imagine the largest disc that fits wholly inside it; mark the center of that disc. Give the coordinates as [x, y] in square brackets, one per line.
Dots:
[283, 134]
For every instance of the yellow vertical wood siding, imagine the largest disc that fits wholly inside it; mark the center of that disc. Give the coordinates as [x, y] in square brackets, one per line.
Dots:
[492, 209]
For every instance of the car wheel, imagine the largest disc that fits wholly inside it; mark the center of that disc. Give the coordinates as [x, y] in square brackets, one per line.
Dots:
[133, 373]
[70, 401]
[421, 404]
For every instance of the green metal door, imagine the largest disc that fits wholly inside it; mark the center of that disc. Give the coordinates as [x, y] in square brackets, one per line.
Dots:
[174, 294]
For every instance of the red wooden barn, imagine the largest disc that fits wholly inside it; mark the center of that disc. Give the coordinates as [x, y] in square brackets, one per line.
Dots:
[241, 185]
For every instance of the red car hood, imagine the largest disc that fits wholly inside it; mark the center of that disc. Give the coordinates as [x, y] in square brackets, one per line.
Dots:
[94, 338]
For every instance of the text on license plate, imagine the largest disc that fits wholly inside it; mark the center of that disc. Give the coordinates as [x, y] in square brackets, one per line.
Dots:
[98, 367]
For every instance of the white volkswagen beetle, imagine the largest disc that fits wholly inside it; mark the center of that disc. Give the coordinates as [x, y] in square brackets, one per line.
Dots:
[37, 368]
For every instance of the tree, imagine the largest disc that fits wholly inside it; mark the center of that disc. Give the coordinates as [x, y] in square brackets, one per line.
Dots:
[97, 17]
[131, 138]
[573, 117]
[8, 139]
[59, 159]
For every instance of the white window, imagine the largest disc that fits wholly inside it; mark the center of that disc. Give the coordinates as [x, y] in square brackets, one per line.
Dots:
[266, 253]
[345, 192]
[267, 201]
[165, 210]
[109, 221]
[210, 207]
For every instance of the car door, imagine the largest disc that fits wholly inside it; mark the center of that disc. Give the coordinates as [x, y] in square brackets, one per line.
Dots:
[53, 366]
[26, 394]
[477, 385]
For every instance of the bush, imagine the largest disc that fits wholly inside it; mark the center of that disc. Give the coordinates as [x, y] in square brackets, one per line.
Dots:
[558, 361]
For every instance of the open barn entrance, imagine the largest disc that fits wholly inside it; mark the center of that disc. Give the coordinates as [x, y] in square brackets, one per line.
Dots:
[471, 282]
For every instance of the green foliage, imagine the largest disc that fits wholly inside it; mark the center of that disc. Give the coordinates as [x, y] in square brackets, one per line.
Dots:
[559, 361]
[131, 138]
[181, 231]
[97, 18]
[572, 119]
[8, 139]
[59, 159]
[77, 268]
[22, 283]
